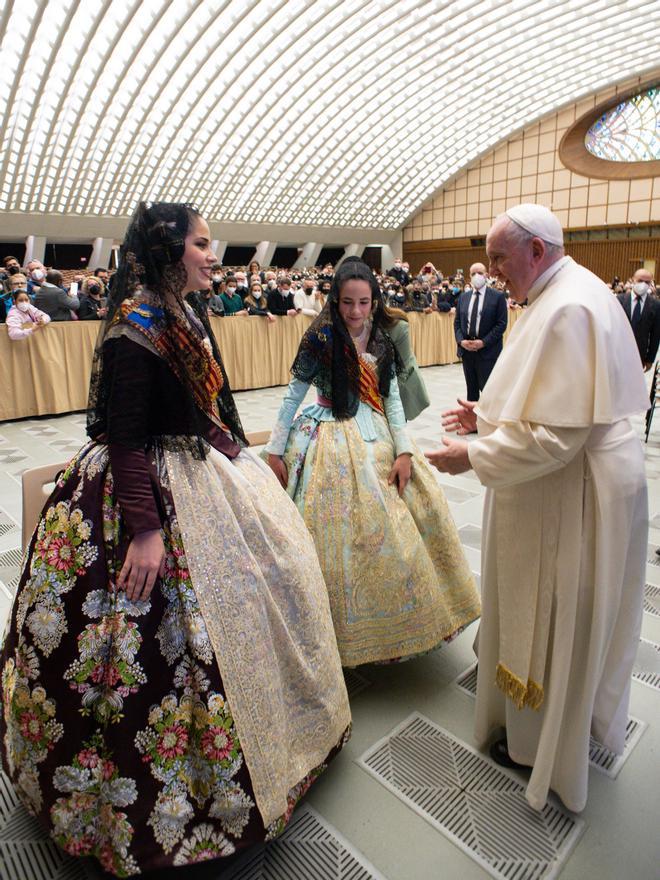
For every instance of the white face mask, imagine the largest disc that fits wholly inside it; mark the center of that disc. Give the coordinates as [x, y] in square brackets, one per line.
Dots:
[231, 291]
[256, 294]
[640, 288]
[23, 306]
[38, 275]
[272, 284]
[478, 280]
[216, 277]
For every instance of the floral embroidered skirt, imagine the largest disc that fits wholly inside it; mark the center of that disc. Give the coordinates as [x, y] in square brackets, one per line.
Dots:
[398, 580]
[115, 728]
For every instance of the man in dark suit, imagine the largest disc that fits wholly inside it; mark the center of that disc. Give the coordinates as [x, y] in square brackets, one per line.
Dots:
[479, 325]
[643, 311]
[398, 272]
[54, 300]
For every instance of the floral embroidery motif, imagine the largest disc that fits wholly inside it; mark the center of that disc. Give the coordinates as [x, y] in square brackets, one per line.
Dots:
[204, 843]
[62, 552]
[182, 624]
[31, 729]
[87, 822]
[106, 671]
[193, 749]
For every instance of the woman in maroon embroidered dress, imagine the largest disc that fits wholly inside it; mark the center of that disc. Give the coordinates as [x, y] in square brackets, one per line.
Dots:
[139, 723]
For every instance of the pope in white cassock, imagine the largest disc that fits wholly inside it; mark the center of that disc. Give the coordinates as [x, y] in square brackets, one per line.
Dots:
[565, 517]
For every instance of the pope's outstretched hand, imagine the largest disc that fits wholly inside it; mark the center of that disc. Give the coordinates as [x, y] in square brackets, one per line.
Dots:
[462, 420]
[452, 458]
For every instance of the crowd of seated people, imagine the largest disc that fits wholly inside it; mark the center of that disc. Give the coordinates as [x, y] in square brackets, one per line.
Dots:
[35, 295]
[55, 295]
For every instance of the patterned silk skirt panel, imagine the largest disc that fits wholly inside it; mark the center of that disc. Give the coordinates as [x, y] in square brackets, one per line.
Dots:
[398, 580]
[115, 727]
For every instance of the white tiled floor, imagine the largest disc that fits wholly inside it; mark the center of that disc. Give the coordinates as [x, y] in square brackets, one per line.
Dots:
[621, 839]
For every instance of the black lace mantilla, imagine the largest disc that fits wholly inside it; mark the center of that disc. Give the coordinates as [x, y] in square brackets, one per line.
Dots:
[327, 358]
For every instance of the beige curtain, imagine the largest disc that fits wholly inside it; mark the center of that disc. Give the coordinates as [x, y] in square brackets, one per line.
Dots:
[49, 373]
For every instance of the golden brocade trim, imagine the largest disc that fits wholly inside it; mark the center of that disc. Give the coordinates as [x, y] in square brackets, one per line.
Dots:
[397, 577]
[521, 694]
[265, 608]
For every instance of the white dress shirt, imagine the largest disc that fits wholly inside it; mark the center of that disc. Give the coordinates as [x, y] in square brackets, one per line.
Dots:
[482, 296]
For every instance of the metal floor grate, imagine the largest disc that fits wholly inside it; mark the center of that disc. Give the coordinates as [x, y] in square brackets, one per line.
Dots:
[355, 683]
[600, 758]
[647, 664]
[41, 430]
[467, 680]
[10, 568]
[66, 446]
[26, 853]
[607, 762]
[309, 849]
[10, 456]
[8, 526]
[476, 804]
[652, 557]
[652, 600]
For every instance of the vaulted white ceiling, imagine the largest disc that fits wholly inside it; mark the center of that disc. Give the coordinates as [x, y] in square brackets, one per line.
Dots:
[345, 113]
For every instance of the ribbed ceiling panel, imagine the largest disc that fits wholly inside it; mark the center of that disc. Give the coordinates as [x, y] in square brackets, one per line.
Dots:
[265, 111]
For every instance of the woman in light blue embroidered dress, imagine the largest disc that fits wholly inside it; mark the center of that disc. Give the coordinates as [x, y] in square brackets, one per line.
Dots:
[398, 581]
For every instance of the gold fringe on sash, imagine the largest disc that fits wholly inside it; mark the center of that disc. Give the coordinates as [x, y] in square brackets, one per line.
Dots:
[521, 694]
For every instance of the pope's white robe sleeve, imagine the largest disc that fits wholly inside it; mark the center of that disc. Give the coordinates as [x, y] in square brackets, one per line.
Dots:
[520, 451]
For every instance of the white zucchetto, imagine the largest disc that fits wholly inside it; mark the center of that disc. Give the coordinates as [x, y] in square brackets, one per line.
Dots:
[539, 221]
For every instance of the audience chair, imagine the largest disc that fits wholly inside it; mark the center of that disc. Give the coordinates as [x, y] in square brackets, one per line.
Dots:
[258, 438]
[37, 486]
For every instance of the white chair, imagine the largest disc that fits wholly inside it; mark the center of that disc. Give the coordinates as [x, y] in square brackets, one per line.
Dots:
[37, 485]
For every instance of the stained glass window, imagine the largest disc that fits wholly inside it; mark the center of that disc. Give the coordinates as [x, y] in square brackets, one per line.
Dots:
[629, 132]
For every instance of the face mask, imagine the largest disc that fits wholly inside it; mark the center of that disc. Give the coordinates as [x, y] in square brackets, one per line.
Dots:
[37, 275]
[23, 306]
[272, 284]
[640, 288]
[478, 280]
[216, 277]
[256, 294]
[94, 289]
[400, 297]
[231, 291]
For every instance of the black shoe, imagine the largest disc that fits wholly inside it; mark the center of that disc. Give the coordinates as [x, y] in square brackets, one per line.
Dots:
[500, 754]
